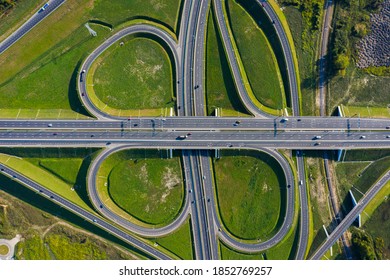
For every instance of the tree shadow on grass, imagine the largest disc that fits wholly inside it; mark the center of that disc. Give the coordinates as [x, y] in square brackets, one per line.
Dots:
[81, 181]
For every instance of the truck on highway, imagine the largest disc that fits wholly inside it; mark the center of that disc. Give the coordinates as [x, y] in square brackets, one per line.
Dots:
[43, 8]
[81, 76]
[181, 137]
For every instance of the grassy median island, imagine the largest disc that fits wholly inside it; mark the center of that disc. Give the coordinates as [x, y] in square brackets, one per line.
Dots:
[137, 75]
[4, 250]
[179, 242]
[250, 191]
[142, 185]
[221, 91]
[257, 56]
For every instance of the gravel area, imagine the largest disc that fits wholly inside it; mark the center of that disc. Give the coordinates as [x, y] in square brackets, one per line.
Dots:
[374, 48]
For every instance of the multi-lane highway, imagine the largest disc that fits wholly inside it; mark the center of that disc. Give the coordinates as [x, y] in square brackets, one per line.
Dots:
[199, 123]
[306, 140]
[262, 132]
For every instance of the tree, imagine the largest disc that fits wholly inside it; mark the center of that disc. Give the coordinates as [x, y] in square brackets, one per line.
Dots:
[341, 62]
[359, 30]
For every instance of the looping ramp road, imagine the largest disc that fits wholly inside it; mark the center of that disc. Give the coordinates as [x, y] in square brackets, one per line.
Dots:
[297, 133]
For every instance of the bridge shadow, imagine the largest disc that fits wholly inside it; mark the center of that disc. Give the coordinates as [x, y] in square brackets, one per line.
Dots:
[73, 96]
[294, 248]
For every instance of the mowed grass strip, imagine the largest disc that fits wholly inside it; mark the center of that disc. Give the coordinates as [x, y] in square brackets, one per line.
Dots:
[249, 190]
[371, 112]
[257, 56]
[44, 178]
[137, 75]
[179, 242]
[221, 91]
[13, 18]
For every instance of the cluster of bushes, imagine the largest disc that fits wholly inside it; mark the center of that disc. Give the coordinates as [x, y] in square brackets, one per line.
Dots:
[378, 71]
[311, 15]
[352, 19]
[6, 4]
[367, 248]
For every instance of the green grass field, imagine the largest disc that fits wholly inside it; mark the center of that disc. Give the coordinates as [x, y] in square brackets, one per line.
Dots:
[179, 242]
[371, 175]
[137, 75]
[142, 185]
[283, 250]
[119, 11]
[250, 187]
[365, 155]
[66, 169]
[347, 174]
[39, 80]
[61, 170]
[359, 89]
[359, 177]
[220, 88]
[257, 56]
[50, 82]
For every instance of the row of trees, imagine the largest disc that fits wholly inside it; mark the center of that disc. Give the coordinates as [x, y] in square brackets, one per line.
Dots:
[6, 4]
[366, 247]
[311, 11]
